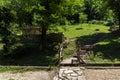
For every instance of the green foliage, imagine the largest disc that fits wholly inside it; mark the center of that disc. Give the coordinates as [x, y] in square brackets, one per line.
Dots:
[1, 46]
[4, 3]
[106, 50]
[31, 55]
[110, 16]
[69, 49]
[45, 13]
[98, 10]
[115, 5]
[50, 67]
[8, 28]
[97, 58]
[101, 22]
[83, 18]
[9, 68]
[18, 69]
[95, 9]
[15, 14]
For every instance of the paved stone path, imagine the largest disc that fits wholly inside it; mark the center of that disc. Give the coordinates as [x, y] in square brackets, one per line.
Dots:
[70, 73]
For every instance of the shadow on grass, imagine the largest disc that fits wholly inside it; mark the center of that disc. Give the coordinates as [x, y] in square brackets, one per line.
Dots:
[110, 49]
[91, 39]
[31, 55]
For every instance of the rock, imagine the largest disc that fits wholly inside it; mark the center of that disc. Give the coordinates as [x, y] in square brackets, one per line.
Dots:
[74, 75]
[68, 71]
[55, 78]
[74, 78]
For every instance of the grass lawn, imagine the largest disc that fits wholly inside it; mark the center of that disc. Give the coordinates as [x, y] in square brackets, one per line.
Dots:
[69, 49]
[106, 50]
[73, 31]
[21, 69]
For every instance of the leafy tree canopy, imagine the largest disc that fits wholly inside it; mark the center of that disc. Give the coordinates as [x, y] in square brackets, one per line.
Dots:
[96, 9]
[115, 6]
[42, 13]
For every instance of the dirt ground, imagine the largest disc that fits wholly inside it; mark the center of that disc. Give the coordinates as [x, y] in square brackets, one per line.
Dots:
[30, 75]
[90, 74]
[102, 74]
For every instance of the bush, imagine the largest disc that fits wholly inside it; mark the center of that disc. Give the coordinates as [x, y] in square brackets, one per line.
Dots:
[107, 23]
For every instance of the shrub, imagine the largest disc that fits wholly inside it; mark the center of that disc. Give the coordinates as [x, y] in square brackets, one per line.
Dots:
[108, 23]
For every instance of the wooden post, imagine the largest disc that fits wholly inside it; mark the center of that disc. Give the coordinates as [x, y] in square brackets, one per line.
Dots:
[60, 52]
[78, 54]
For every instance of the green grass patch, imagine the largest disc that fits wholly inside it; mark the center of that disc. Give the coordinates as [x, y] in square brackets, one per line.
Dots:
[107, 44]
[18, 69]
[107, 50]
[73, 31]
[83, 32]
[97, 58]
[69, 49]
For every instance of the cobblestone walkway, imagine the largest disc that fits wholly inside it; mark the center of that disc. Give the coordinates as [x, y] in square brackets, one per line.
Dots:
[70, 73]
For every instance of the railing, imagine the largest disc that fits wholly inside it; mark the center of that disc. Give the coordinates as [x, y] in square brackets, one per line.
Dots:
[60, 52]
[78, 51]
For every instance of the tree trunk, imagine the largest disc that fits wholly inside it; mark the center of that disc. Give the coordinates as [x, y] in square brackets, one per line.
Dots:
[44, 41]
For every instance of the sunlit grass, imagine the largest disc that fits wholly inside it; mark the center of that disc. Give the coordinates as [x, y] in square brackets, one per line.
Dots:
[73, 31]
[69, 49]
